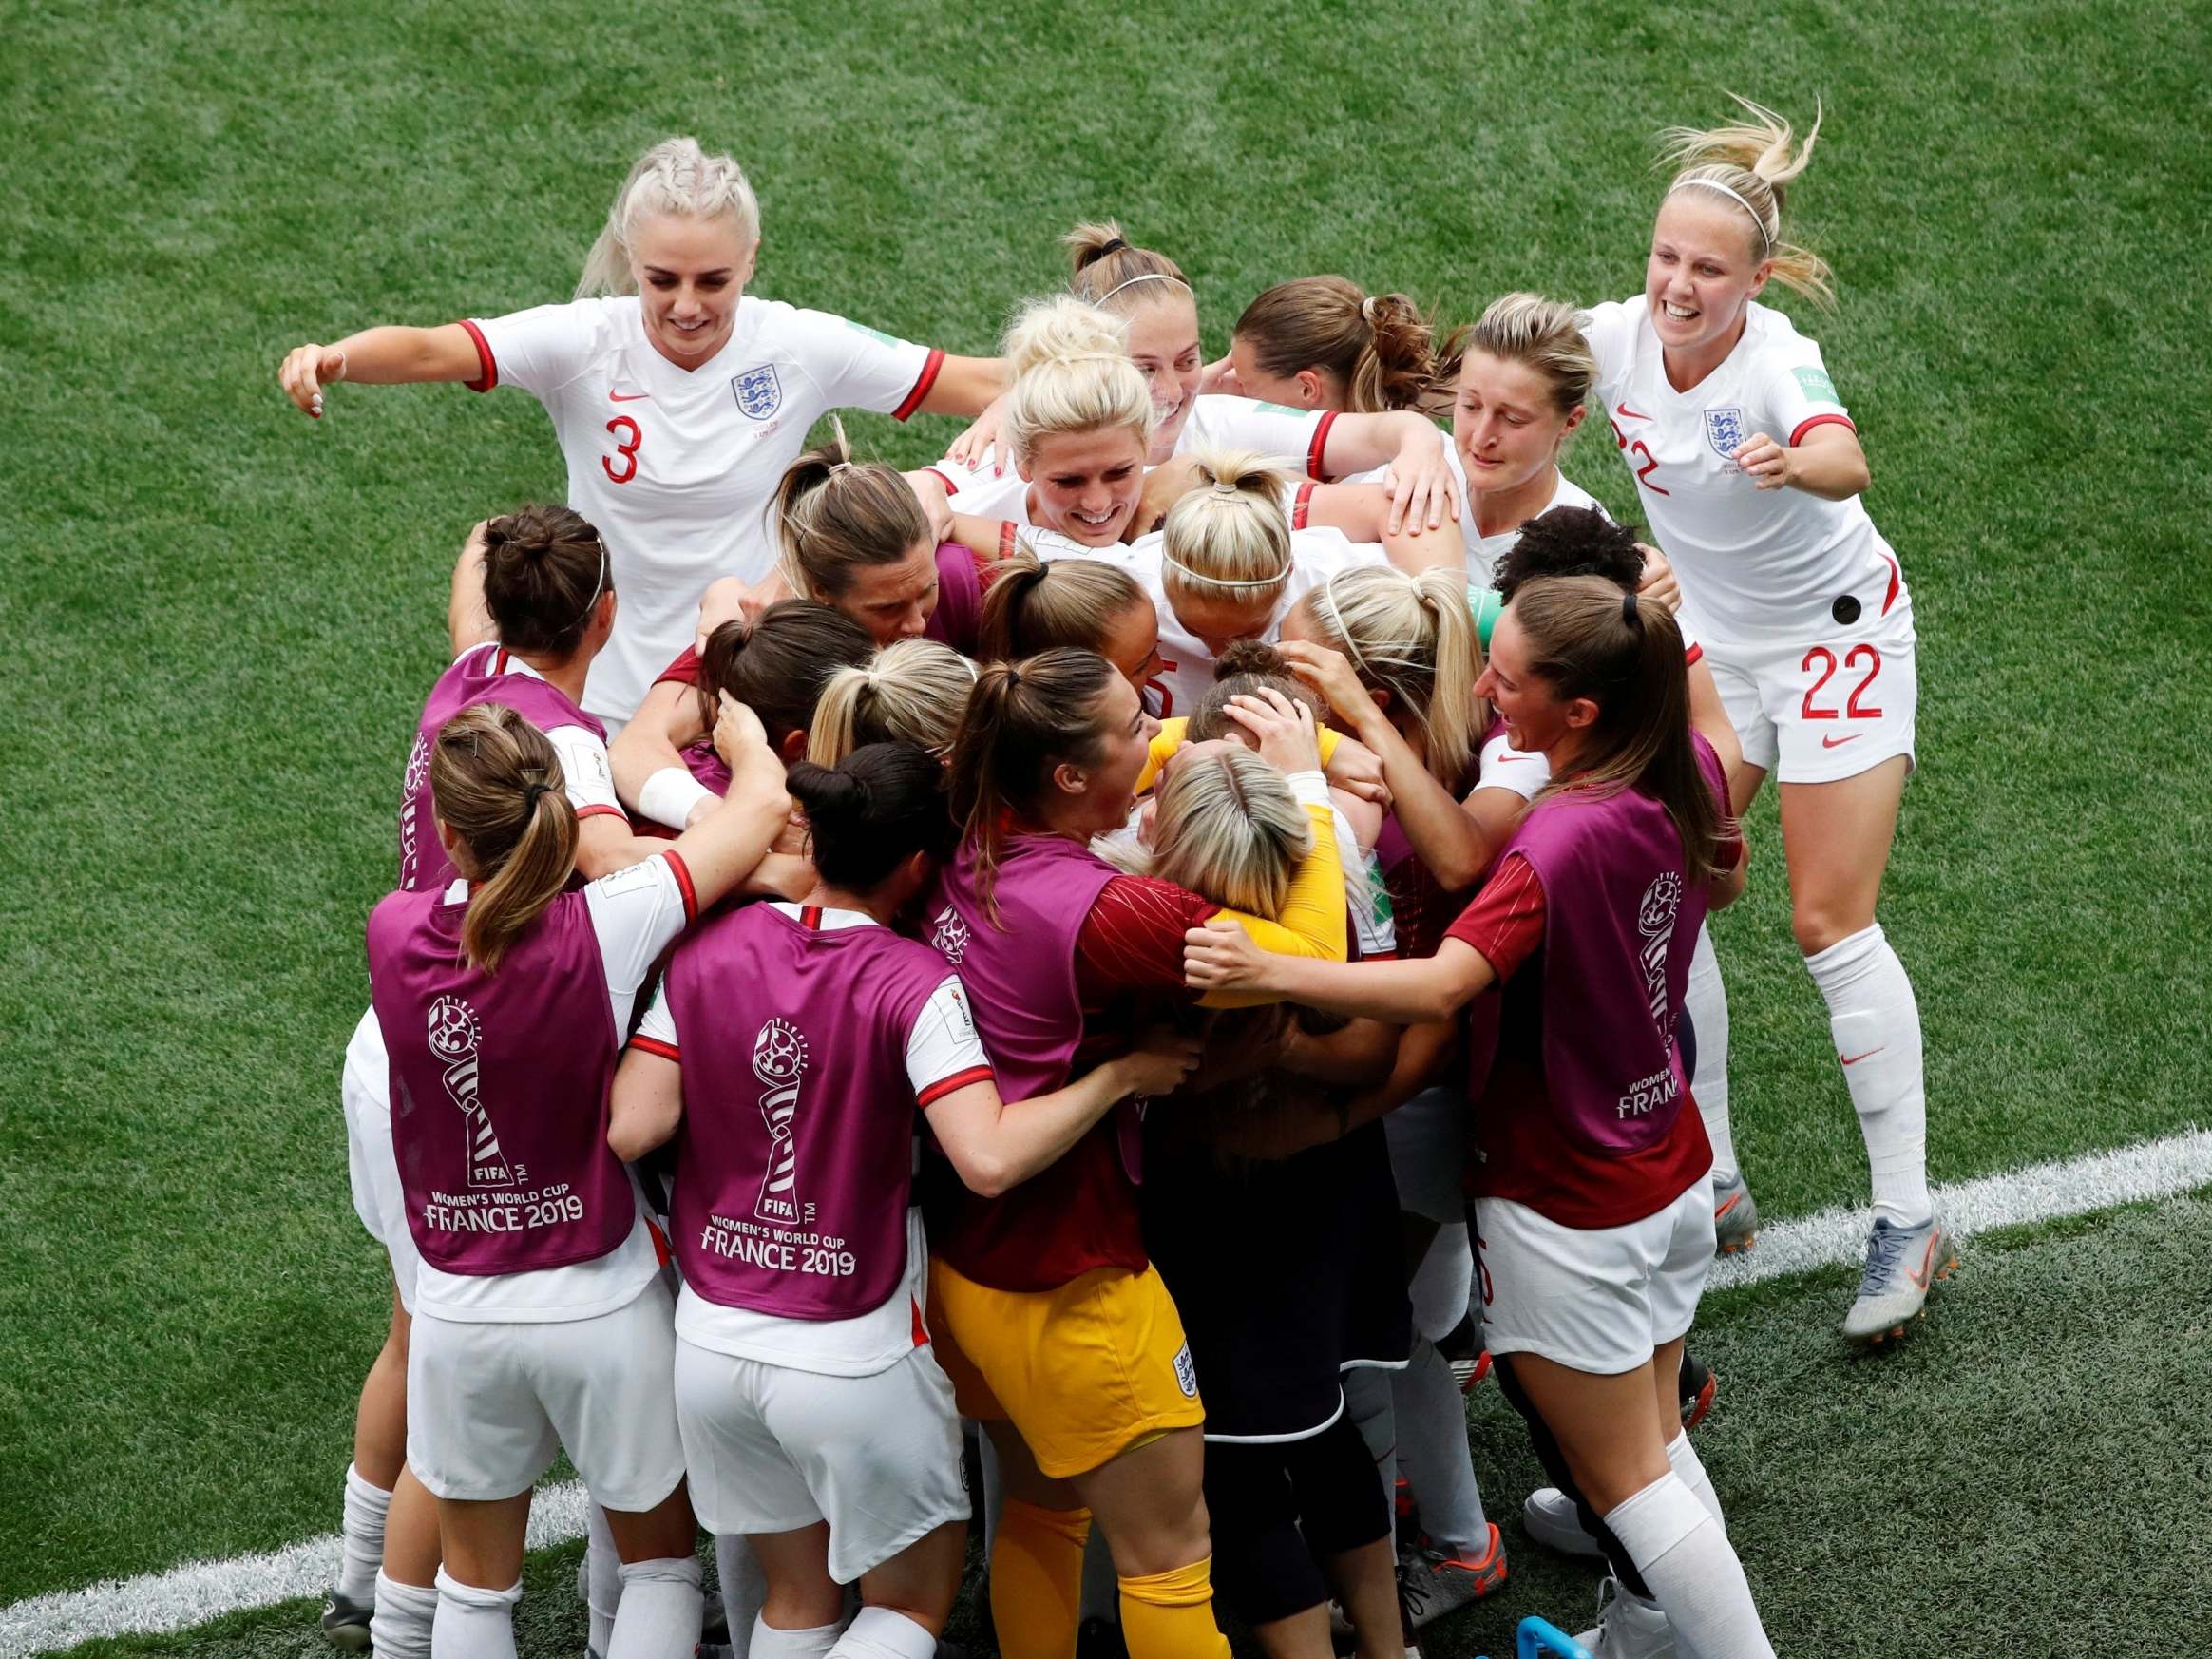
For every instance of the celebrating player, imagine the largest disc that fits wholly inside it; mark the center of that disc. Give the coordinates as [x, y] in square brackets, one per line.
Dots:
[542, 1320]
[1326, 343]
[1595, 1220]
[913, 692]
[1053, 1326]
[1752, 471]
[793, 1042]
[677, 400]
[1074, 605]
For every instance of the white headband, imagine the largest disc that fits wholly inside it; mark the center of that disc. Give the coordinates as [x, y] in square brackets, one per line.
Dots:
[1360, 659]
[1766, 237]
[1148, 276]
[1172, 563]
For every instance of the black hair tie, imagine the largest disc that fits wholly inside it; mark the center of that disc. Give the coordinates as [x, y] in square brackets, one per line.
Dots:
[532, 791]
[1112, 245]
[1628, 608]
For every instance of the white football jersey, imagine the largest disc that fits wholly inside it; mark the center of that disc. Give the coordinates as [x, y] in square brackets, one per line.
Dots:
[1293, 438]
[1759, 564]
[678, 469]
[1185, 664]
[1483, 552]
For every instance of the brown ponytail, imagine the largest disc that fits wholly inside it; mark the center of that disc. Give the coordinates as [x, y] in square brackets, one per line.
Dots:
[1031, 606]
[1380, 347]
[496, 782]
[778, 665]
[543, 570]
[1107, 271]
[1023, 719]
[1586, 639]
[836, 516]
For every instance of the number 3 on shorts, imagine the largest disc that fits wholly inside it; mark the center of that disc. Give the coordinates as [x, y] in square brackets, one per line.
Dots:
[1822, 660]
[625, 447]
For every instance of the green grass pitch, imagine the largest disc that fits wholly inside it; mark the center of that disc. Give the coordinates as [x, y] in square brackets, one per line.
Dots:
[219, 621]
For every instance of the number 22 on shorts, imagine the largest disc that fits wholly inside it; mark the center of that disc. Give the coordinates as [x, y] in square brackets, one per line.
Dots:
[1820, 659]
[625, 449]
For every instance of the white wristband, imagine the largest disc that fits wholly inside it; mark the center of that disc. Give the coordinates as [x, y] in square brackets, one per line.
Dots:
[671, 796]
[1309, 789]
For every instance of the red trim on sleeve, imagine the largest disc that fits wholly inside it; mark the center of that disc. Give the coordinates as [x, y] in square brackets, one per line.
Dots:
[1819, 420]
[599, 811]
[1896, 581]
[486, 365]
[922, 386]
[950, 488]
[1008, 531]
[1319, 446]
[683, 671]
[1301, 509]
[1694, 655]
[959, 1080]
[691, 897]
[653, 1045]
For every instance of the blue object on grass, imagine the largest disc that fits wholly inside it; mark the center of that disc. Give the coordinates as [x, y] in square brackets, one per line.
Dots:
[1539, 1636]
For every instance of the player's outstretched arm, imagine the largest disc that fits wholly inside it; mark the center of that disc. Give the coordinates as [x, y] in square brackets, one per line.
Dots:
[1828, 464]
[1220, 958]
[722, 846]
[379, 357]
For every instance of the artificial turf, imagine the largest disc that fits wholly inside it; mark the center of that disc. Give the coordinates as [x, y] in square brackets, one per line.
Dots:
[220, 619]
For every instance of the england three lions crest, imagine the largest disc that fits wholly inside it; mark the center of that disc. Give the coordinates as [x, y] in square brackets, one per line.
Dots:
[759, 392]
[1725, 432]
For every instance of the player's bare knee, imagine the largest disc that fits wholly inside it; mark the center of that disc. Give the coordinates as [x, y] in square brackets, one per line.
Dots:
[1817, 928]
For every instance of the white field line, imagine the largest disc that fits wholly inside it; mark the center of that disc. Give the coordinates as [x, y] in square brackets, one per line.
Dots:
[200, 1590]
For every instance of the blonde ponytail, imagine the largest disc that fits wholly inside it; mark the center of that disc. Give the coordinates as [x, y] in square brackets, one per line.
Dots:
[1227, 539]
[913, 691]
[677, 177]
[1751, 163]
[496, 782]
[1413, 636]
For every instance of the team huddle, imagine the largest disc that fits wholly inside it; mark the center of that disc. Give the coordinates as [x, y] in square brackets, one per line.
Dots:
[1121, 970]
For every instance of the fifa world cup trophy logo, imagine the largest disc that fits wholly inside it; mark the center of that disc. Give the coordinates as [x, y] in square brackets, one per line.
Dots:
[1655, 915]
[454, 1035]
[780, 1058]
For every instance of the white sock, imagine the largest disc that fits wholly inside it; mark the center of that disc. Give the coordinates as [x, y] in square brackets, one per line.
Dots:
[1691, 1470]
[771, 1643]
[1432, 1450]
[1876, 1025]
[744, 1588]
[473, 1623]
[1706, 1000]
[659, 1615]
[1687, 1559]
[361, 1537]
[877, 1633]
[1367, 1403]
[401, 1628]
[602, 1579]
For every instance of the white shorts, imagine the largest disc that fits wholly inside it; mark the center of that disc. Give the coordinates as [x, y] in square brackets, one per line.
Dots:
[1818, 711]
[772, 1449]
[1428, 1153]
[374, 1168]
[489, 1404]
[1593, 1299]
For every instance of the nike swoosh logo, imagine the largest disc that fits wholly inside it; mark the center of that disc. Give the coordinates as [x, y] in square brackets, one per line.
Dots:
[1627, 413]
[1509, 759]
[1732, 1204]
[1927, 1261]
[628, 396]
[1832, 742]
[1852, 1060]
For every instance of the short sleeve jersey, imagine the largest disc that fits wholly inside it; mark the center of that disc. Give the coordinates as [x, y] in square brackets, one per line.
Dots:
[1762, 565]
[1293, 437]
[635, 914]
[676, 469]
[943, 1055]
[1483, 552]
